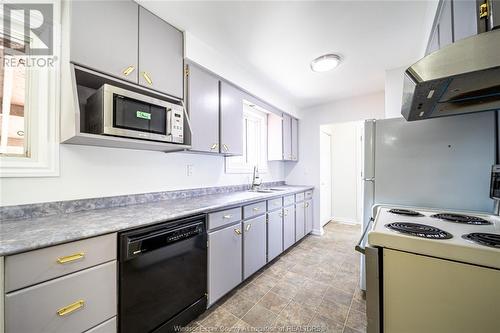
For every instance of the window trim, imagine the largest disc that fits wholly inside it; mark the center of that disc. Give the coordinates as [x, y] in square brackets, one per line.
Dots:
[43, 118]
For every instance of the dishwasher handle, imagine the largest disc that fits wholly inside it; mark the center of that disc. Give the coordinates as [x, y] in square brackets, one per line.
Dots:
[359, 247]
[139, 243]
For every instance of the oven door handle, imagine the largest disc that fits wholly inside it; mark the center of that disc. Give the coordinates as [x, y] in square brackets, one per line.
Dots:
[358, 247]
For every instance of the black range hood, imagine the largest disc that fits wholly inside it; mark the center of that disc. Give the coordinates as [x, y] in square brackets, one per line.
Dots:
[463, 77]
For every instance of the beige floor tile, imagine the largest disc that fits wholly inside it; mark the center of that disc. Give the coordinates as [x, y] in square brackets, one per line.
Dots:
[219, 320]
[265, 282]
[273, 302]
[359, 306]
[259, 317]
[297, 314]
[332, 310]
[285, 290]
[339, 296]
[238, 305]
[253, 292]
[356, 320]
[325, 324]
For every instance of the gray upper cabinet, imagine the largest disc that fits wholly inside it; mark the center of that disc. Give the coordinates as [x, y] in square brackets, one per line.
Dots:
[161, 57]
[104, 37]
[464, 19]
[288, 226]
[295, 139]
[203, 106]
[231, 119]
[309, 216]
[287, 137]
[445, 25]
[224, 261]
[274, 234]
[300, 222]
[254, 245]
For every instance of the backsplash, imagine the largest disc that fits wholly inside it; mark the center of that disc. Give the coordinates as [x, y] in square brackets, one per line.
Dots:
[71, 206]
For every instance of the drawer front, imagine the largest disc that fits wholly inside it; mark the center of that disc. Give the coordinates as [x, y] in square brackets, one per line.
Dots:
[289, 200]
[108, 326]
[299, 197]
[309, 195]
[219, 219]
[255, 209]
[72, 303]
[29, 268]
[274, 204]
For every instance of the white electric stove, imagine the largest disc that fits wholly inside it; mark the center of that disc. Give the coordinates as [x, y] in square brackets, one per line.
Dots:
[466, 237]
[432, 270]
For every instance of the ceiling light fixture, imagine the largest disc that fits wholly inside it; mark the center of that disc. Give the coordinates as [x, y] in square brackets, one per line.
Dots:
[325, 63]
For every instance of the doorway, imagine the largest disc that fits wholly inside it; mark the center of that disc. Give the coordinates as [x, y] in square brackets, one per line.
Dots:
[325, 176]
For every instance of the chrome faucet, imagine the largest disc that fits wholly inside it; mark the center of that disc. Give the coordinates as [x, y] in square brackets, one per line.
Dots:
[256, 180]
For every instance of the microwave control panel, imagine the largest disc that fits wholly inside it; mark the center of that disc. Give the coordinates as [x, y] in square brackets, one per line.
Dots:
[176, 124]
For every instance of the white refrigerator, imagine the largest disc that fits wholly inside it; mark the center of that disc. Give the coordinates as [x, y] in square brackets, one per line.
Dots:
[436, 163]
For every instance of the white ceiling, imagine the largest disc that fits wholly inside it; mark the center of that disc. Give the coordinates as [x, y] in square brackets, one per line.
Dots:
[276, 40]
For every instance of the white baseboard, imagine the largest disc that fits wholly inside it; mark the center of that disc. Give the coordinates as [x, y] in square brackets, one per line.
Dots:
[345, 220]
[317, 232]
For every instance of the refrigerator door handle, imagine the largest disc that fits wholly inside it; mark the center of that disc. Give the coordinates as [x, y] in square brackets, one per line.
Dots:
[359, 247]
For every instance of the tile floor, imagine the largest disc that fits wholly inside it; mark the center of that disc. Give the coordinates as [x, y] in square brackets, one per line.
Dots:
[313, 287]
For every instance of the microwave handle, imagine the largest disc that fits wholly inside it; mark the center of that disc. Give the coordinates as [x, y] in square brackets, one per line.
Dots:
[170, 121]
[186, 116]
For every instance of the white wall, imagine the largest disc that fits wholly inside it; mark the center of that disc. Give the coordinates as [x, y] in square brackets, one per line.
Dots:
[306, 170]
[394, 91]
[346, 171]
[87, 172]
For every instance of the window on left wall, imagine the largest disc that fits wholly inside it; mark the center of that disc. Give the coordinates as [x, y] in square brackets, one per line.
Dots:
[254, 143]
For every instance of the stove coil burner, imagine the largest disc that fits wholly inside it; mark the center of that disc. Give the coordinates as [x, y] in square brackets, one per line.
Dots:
[419, 230]
[491, 240]
[458, 218]
[406, 212]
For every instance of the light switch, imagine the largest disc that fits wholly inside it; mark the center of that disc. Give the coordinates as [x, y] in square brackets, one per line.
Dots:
[189, 170]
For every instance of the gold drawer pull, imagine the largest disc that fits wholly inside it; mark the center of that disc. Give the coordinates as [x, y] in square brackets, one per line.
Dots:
[71, 308]
[227, 216]
[226, 147]
[127, 71]
[147, 77]
[237, 231]
[214, 146]
[256, 209]
[248, 227]
[71, 258]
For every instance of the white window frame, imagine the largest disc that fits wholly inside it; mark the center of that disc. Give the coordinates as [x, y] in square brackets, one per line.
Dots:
[237, 164]
[42, 125]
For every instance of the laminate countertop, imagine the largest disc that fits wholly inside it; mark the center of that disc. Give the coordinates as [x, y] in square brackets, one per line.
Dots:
[33, 233]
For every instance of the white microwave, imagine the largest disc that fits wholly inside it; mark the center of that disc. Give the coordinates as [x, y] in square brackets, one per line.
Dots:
[120, 112]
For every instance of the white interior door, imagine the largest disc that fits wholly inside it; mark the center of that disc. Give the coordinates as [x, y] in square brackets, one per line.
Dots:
[325, 177]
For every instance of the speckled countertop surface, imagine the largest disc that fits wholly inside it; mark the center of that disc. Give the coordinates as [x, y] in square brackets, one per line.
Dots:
[28, 234]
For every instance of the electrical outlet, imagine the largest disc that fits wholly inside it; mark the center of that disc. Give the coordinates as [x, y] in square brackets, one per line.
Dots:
[189, 170]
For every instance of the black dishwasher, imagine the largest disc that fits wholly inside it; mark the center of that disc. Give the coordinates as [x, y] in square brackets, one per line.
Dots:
[163, 275]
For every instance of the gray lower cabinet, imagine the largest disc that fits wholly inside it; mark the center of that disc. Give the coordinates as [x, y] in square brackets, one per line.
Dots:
[295, 139]
[274, 234]
[288, 226]
[224, 261]
[161, 55]
[309, 216]
[231, 119]
[300, 221]
[254, 245]
[203, 106]
[109, 326]
[104, 36]
[287, 137]
[72, 303]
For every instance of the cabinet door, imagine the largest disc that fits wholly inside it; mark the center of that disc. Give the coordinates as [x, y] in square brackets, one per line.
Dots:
[445, 25]
[464, 19]
[224, 261]
[274, 234]
[287, 137]
[300, 220]
[161, 57]
[231, 120]
[288, 227]
[254, 245]
[309, 216]
[295, 139]
[203, 106]
[104, 37]
[434, 42]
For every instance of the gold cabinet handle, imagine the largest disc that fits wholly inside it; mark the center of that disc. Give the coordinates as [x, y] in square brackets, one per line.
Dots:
[127, 71]
[281, 214]
[147, 77]
[256, 209]
[307, 204]
[237, 231]
[227, 216]
[226, 147]
[70, 258]
[214, 146]
[66, 310]
[248, 227]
